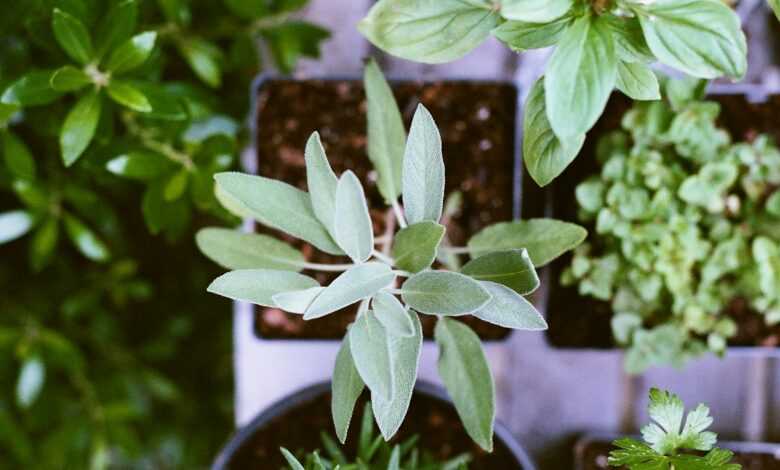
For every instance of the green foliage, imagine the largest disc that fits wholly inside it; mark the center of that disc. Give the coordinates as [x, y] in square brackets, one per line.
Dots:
[666, 439]
[686, 229]
[599, 46]
[382, 347]
[372, 454]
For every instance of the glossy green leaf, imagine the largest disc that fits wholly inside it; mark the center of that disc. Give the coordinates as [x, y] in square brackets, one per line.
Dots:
[415, 246]
[512, 268]
[466, 375]
[346, 389]
[129, 96]
[444, 293]
[43, 243]
[322, 182]
[14, 224]
[79, 127]
[69, 78]
[72, 36]
[368, 341]
[258, 286]
[423, 170]
[116, 26]
[7, 111]
[509, 309]
[392, 314]
[292, 40]
[132, 53]
[358, 282]
[545, 239]
[165, 106]
[352, 229]
[204, 59]
[638, 81]
[85, 240]
[386, 134]
[278, 205]
[545, 154]
[30, 382]
[522, 36]
[17, 157]
[141, 165]
[580, 77]
[32, 89]
[248, 9]
[297, 301]
[702, 38]
[430, 31]
[535, 11]
[232, 249]
[176, 185]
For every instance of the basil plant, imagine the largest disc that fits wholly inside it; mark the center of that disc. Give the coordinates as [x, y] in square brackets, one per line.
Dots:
[599, 45]
[382, 347]
[687, 225]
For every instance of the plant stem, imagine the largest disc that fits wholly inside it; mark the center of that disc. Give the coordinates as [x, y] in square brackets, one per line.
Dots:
[383, 258]
[399, 214]
[458, 250]
[326, 267]
[150, 142]
[394, 291]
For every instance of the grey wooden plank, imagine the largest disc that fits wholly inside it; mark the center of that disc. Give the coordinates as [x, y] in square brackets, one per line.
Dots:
[773, 431]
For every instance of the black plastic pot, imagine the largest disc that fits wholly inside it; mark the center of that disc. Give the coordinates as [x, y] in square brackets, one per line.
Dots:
[282, 408]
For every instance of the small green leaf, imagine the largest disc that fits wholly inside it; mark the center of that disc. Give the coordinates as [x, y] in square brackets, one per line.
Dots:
[14, 224]
[509, 309]
[346, 389]
[79, 127]
[277, 205]
[521, 36]
[17, 156]
[423, 170]
[129, 96]
[352, 229]
[357, 283]
[7, 111]
[204, 59]
[176, 185]
[72, 36]
[85, 240]
[69, 78]
[132, 53]
[545, 239]
[512, 268]
[232, 249]
[580, 77]
[43, 243]
[368, 341]
[386, 134]
[116, 26]
[141, 165]
[535, 11]
[322, 182]
[258, 286]
[444, 293]
[30, 382]
[291, 460]
[415, 246]
[429, 31]
[248, 9]
[392, 314]
[165, 106]
[775, 4]
[31, 89]
[545, 154]
[638, 81]
[297, 301]
[466, 375]
[630, 43]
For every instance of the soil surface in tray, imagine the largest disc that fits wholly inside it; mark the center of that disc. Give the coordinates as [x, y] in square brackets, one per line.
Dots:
[438, 427]
[593, 456]
[477, 124]
[583, 322]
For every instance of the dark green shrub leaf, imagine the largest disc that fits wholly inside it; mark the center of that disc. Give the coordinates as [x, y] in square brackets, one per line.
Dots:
[14, 224]
[512, 268]
[43, 243]
[141, 165]
[346, 389]
[423, 170]
[17, 156]
[292, 40]
[116, 26]
[69, 78]
[258, 286]
[132, 53]
[415, 246]
[176, 185]
[32, 89]
[353, 229]
[30, 382]
[509, 309]
[165, 105]
[204, 58]
[368, 341]
[248, 9]
[638, 81]
[535, 11]
[72, 36]
[79, 127]
[232, 249]
[444, 293]
[357, 283]
[85, 240]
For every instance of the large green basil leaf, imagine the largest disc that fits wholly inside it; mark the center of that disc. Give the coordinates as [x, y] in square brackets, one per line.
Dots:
[535, 11]
[521, 36]
[638, 81]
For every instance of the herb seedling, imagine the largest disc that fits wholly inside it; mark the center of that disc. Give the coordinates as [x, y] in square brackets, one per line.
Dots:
[373, 454]
[382, 346]
[687, 225]
[667, 439]
[599, 45]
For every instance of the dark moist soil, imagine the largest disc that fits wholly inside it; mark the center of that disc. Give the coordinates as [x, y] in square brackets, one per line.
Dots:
[477, 123]
[583, 322]
[593, 456]
[435, 422]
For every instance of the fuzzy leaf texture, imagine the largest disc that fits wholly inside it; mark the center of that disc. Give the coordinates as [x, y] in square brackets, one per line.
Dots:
[423, 170]
[355, 284]
[444, 293]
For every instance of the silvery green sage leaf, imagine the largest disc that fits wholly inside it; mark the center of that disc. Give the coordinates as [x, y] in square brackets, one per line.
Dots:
[358, 282]
[406, 358]
[72, 36]
[580, 76]
[522, 36]
[79, 127]
[322, 182]
[444, 293]
[368, 341]
[392, 314]
[386, 134]
[509, 309]
[352, 229]
[14, 224]
[512, 268]
[423, 176]
[430, 31]
[638, 81]
[545, 239]
[466, 375]
[296, 301]
[69, 78]
[702, 38]
[545, 154]
[277, 205]
[346, 389]
[535, 11]
[415, 246]
[258, 286]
